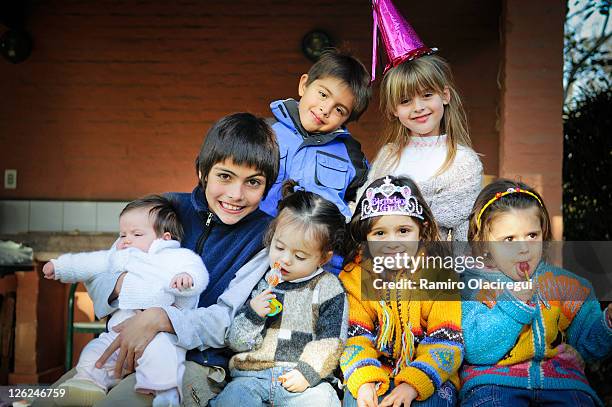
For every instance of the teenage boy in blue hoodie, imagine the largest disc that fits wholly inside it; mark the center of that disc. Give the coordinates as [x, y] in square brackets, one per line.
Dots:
[222, 223]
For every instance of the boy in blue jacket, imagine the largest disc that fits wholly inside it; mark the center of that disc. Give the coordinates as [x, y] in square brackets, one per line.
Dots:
[316, 149]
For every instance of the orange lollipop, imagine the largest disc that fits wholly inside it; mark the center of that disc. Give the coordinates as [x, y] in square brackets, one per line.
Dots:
[275, 277]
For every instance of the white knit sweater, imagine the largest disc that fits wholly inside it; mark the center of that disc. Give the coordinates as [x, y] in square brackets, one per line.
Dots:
[147, 282]
[450, 195]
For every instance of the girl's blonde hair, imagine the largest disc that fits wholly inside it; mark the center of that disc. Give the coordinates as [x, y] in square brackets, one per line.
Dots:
[411, 78]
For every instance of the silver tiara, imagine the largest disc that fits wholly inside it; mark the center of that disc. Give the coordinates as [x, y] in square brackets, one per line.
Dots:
[376, 205]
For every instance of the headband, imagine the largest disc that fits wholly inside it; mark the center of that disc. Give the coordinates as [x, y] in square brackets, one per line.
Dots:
[499, 195]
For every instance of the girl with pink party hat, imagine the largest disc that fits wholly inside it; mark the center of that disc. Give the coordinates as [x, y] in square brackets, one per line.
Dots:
[426, 135]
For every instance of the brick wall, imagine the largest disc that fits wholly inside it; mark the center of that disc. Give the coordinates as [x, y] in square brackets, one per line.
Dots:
[531, 133]
[117, 96]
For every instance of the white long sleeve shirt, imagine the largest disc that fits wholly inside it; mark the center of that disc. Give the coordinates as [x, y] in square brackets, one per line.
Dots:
[450, 195]
[147, 282]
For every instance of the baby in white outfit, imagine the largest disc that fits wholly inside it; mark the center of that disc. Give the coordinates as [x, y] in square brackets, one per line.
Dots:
[159, 273]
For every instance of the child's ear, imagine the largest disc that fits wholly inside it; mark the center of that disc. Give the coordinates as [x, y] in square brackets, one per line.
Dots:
[302, 85]
[446, 97]
[167, 236]
[326, 257]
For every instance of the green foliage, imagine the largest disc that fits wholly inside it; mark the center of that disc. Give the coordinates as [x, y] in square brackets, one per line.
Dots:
[587, 168]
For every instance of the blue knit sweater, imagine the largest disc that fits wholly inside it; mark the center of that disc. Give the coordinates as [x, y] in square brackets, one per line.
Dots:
[537, 345]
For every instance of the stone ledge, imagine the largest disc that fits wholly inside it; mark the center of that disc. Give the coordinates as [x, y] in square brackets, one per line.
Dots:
[47, 245]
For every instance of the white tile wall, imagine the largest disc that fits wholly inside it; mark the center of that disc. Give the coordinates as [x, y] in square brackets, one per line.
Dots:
[14, 216]
[79, 216]
[107, 219]
[59, 216]
[46, 216]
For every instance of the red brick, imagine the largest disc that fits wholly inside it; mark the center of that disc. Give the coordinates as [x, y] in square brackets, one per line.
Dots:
[116, 97]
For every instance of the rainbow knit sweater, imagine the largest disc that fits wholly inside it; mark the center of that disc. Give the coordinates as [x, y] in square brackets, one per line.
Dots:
[537, 345]
[415, 342]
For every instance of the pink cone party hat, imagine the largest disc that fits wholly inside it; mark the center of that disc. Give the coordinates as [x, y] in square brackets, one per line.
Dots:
[401, 41]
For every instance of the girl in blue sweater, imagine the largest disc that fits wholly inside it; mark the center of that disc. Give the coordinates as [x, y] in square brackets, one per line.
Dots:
[527, 346]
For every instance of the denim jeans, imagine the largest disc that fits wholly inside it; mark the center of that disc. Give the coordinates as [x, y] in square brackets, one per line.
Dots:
[445, 396]
[260, 388]
[493, 395]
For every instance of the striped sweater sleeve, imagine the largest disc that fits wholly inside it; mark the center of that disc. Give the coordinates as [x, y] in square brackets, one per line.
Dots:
[440, 352]
[246, 331]
[359, 361]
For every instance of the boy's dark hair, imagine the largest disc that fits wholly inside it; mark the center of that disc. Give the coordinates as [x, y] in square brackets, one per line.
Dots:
[314, 217]
[161, 208]
[349, 69]
[246, 140]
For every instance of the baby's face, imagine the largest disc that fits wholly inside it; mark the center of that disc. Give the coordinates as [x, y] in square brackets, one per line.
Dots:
[136, 230]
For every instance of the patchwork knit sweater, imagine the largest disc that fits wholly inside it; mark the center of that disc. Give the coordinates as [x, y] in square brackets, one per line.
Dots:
[430, 331]
[536, 345]
[308, 334]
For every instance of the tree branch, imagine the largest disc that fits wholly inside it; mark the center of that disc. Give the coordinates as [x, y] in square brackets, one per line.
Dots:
[576, 66]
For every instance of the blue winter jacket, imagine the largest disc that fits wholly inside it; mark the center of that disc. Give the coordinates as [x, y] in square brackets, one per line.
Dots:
[329, 164]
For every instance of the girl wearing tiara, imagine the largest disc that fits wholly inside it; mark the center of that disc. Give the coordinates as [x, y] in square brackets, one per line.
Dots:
[292, 332]
[426, 135]
[400, 347]
[527, 347]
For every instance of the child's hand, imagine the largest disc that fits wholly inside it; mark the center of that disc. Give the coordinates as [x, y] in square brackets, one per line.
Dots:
[524, 295]
[49, 271]
[609, 315]
[366, 396]
[182, 281]
[294, 381]
[260, 303]
[403, 394]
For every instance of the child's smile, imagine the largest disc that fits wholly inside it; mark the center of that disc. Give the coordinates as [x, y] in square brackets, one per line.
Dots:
[233, 191]
[422, 114]
[231, 208]
[325, 104]
[422, 119]
[392, 235]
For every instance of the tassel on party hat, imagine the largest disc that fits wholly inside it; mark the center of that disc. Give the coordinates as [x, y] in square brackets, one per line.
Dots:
[399, 38]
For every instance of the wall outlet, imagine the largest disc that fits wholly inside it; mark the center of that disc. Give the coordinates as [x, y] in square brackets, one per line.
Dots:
[10, 179]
